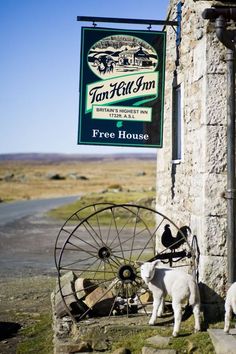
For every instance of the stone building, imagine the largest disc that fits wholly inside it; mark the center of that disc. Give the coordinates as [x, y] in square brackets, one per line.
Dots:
[191, 167]
[135, 57]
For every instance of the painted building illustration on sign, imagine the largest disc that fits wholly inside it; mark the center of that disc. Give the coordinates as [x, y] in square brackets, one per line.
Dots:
[121, 87]
[121, 54]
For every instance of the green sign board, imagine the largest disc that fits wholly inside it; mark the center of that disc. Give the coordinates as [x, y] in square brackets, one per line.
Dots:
[121, 87]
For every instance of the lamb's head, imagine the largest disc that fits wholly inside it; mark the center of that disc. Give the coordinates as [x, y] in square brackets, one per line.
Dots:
[148, 270]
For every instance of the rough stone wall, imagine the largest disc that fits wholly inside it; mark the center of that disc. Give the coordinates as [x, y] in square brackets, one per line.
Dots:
[191, 192]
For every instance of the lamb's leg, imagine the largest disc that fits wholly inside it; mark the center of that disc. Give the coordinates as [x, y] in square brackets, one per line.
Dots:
[196, 313]
[228, 314]
[177, 317]
[156, 303]
[161, 308]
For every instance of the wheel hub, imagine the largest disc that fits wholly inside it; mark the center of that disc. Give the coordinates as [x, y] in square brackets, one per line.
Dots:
[126, 273]
[104, 252]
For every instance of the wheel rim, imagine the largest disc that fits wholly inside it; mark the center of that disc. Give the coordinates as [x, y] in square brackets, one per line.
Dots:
[67, 227]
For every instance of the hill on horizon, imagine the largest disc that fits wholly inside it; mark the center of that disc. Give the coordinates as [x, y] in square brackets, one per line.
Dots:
[74, 157]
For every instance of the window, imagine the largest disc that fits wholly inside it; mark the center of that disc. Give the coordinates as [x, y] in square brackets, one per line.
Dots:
[177, 141]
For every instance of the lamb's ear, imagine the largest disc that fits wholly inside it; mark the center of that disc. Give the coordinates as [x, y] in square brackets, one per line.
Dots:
[154, 263]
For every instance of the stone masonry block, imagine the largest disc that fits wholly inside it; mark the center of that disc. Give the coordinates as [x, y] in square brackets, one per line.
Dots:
[216, 149]
[83, 287]
[215, 203]
[100, 301]
[212, 272]
[212, 236]
[215, 63]
[216, 99]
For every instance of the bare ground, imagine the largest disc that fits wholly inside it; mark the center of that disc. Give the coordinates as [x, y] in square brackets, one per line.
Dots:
[21, 180]
[27, 276]
[23, 300]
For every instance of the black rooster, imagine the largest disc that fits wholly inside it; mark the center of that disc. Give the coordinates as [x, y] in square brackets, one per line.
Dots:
[174, 242]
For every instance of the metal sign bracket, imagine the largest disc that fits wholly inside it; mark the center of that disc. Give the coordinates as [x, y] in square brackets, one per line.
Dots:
[176, 24]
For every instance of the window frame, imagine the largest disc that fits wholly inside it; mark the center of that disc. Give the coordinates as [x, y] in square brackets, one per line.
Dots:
[177, 124]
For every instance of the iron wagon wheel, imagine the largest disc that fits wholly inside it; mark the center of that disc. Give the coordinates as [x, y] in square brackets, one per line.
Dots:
[102, 254]
[70, 223]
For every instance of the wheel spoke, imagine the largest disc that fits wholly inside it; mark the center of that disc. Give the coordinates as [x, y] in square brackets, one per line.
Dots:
[97, 270]
[114, 299]
[78, 238]
[117, 232]
[134, 249]
[134, 233]
[124, 259]
[67, 265]
[121, 229]
[151, 238]
[89, 226]
[116, 263]
[78, 248]
[109, 232]
[98, 224]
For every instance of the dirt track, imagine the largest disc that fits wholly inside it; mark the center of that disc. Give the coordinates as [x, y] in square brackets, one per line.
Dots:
[27, 247]
[27, 276]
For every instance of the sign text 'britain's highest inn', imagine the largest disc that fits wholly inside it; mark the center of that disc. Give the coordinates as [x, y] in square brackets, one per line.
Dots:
[121, 87]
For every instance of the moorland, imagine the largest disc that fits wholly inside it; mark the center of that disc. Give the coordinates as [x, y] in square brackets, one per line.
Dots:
[33, 176]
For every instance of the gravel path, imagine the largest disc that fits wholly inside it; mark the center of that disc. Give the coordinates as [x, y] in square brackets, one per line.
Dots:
[27, 247]
[27, 275]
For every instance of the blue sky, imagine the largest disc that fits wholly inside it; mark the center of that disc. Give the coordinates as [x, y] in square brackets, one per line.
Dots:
[39, 60]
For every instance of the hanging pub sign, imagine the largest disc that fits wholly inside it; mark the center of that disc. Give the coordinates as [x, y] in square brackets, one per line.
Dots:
[121, 87]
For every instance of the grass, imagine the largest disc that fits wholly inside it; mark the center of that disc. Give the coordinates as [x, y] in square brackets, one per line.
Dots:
[121, 197]
[199, 343]
[134, 342]
[26, 301]
[37, 337]
[186, 342]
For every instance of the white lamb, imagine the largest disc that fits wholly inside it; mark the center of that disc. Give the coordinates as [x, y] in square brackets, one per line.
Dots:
[178, 284]
[230, 306]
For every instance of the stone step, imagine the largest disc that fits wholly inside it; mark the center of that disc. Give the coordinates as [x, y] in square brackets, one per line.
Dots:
[149, 350]
[223, 343]
[158, 341]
